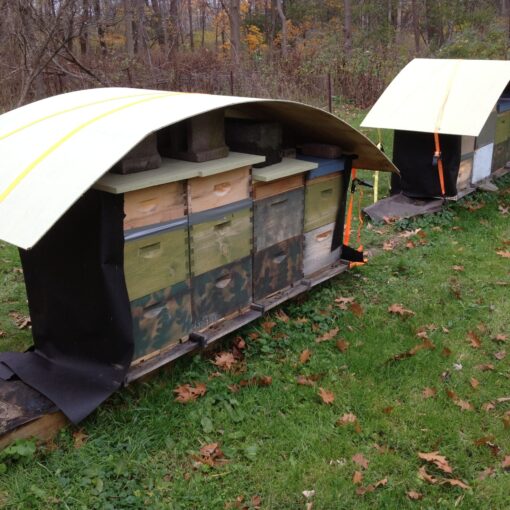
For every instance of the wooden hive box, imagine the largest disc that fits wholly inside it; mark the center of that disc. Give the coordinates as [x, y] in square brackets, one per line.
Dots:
[161, 319]
[218, 190]
[155, 204]
[263, 190]
[220, 236]
[156, 258]
[317, 249]
[220, 292]
[277, 218]
[322, 200]
[277, 267]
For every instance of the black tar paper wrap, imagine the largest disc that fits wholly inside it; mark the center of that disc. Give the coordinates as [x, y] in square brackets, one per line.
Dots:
[79, 306]
[419, 178]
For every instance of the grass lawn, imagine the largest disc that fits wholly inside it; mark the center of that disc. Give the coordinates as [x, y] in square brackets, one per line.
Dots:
[398, 385]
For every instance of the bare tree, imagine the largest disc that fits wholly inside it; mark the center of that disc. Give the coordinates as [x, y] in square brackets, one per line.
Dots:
[347, 27]
[283, 21]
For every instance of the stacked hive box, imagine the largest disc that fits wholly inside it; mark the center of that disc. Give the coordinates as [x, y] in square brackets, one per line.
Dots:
[323, 196]
[221, 231]
[278, 225]
[502, 136]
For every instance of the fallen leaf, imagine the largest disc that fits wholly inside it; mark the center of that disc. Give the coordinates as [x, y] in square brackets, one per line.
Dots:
[429, 392]
[346, 419]
[327, 396]
[302, 320]
[482, 441]
[505, 464]
[360, 459]
[211, 455]
[500, 355]
[388, 410]
[240, 343]
[438, 460]
[446, 352]
[342, 345]
[307, 380]
[486, 473]
[474, 340]
[265, 380]
[504, 254]
[187, 393]
[256, 502]
[426, 477]
[79, 438]
[474, 206]
[463, 404]
[454, 483]
[328, 336]
[503, 210]
[414, 495]
[282, 316]
[500, 338]
[308, 494]
[360, 491]
[458, 268]
[388, 245]
[342, 302]
[305, 356]
[21, 321]
[357, 478]
[488, 406]
[356, 309]
[410, 245]
[426, 344]
[268, 326]
[474, 383]
[224, 360]
[485, 367]
[400, 310]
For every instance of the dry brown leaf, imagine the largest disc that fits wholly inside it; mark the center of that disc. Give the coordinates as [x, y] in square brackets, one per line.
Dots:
[446, 352]
[429, 392]
[79, 438]
[400, 310]
[211, 455]
[357, 477]
[415, 496]
[360, 459]
[488, 406]
[302, 320]
[500, 338]
[346, 419]
[504, 254]
[328, 336]
[505, 464]
[474, 340]
[426, 344]
[486, 473]
[454, 483]
[307, 380]
[389, 245]
[187, 393]
[474, 206]
[342, 302]
[458, 268]
[267, 326]
[282, 316]
[21, 321]
[438, 460]
[264, 380]
[463, 404]
[256, 501]
[240, 343]
[305, 356]
[360, 491]
[410, 245]
[482, 441]
[426, 477]
[474, 383]
[224, 360]
[485, 367]
[500, 355]
[342, 345]
[388, 410]
[356, 309]
[326, 396]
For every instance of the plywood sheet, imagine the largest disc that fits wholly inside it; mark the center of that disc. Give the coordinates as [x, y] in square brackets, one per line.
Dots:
[451, 96]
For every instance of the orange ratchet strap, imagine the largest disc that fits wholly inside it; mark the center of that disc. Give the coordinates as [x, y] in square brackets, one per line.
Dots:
[439, 160]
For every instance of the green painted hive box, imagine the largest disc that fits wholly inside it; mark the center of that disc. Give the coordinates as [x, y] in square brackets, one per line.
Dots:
[220, 236]
[322, 200]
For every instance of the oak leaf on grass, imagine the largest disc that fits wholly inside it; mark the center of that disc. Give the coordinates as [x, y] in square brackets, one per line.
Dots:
[224, 360]
[326, 396]
[399, 309]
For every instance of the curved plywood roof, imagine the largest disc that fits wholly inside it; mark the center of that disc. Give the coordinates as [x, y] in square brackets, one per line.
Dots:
[451, 96]
[54, 150]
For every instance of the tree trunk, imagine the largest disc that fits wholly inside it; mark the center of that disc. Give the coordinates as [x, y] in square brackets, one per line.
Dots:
[100, 26]
[190, 20]
[161, 33]
[416, 26]
[398, 27]
[234, 17]
[347, 27]
[84, 34]
[174, 25]
[283, 21]
[128, 23]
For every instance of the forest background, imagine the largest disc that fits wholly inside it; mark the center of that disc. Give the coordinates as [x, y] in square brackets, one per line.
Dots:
[307, 50]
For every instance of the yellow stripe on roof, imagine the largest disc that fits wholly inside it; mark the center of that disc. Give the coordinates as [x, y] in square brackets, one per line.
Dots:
[73, 109]
[69, 135]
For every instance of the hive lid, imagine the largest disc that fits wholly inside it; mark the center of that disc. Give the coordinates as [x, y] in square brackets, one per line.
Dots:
[454, 97]
[52, 151]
